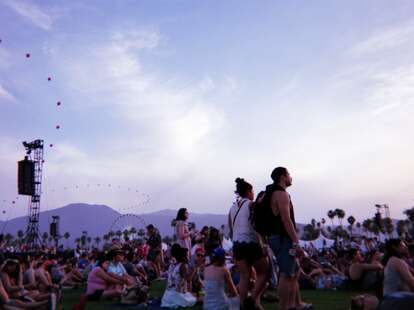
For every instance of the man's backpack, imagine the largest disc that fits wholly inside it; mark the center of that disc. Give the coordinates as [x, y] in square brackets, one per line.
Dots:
[261, 213]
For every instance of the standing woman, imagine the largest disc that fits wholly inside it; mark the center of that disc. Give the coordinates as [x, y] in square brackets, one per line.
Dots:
[247, 248]
[181, 230]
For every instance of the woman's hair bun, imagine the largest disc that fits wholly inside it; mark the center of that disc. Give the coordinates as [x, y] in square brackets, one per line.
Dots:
[239, 180]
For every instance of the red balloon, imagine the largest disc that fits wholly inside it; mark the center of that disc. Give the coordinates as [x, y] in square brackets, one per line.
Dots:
[58, 103]
[49, 78]
[57, 127]
[4, 212]
[13, 202]
[51, 145]
[27, 55]
[43, 161]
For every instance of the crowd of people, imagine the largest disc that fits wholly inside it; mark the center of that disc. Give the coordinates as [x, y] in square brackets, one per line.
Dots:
[203, 267]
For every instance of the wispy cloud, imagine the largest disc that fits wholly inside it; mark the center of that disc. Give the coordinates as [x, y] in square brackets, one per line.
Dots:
[385, 39]
[5, 95]
[392, 90]
[175, 119]
[32, 13]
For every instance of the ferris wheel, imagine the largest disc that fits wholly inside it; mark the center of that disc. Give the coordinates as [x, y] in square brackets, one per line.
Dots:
[127, 222]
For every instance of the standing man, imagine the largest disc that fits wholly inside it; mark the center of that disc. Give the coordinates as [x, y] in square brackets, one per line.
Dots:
[284, 240]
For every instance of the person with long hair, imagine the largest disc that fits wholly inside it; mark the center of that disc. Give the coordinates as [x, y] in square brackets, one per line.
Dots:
[213, 241]
[176, 294]
[247, 248]
[216, 278]
[397, 275]
[182, 231]
[100, 284]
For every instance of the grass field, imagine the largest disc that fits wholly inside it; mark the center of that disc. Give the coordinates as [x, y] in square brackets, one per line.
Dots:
[329, 300]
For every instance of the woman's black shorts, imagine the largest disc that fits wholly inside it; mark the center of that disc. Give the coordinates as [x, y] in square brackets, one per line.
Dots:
[248, 251]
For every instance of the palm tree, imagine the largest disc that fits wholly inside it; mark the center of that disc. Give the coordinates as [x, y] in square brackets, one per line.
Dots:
[8, 238]
[66, 235]
[340, 214]
[83, 240]
[388, 226]
[125, 234]
[141, 233]
[375, 228]
[401, 228]
[310, 232]
[45, 235]
[410, 216]
[331, 214]
[106, 238]
[97, 241]
[20, 236]
[133, 232]
[366, 224]
[118, 233]
[351, 220]
[111, 234]
[89, 240]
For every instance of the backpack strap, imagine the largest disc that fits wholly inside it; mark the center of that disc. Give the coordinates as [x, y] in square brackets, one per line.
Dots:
[237, 213]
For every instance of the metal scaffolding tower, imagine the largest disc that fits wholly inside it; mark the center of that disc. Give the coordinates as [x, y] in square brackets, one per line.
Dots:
[34, 151]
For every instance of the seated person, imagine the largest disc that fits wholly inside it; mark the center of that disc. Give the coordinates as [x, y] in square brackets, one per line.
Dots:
[83, 261]
[196, 270]
[70, 275]
[116, 268]
[176, 294]
[394, 301]
[12, 279]
[133, 270]
[358, 269]
[15, 304]
[397, 275]
[216, 279]
[100, 284]
[43, 278]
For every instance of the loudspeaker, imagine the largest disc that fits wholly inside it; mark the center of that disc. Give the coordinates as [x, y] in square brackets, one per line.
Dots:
[53, 229]
[25, 177]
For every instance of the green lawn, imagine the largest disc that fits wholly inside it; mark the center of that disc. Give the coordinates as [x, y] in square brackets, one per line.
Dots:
[337, 300]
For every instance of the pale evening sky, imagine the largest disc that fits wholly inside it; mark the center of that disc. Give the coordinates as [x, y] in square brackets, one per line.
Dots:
[178, 98]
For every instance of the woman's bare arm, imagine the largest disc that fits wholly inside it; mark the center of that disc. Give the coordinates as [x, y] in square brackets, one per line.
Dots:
[229, 283]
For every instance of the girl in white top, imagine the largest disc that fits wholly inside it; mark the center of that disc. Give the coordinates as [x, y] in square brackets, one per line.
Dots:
[248, 252]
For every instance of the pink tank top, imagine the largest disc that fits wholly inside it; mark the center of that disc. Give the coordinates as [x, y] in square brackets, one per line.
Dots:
[94, 282]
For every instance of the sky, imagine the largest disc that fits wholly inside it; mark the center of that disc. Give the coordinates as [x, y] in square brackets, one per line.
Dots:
[175, 99]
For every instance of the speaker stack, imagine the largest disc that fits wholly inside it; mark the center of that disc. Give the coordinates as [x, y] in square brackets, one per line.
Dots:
[26, 177]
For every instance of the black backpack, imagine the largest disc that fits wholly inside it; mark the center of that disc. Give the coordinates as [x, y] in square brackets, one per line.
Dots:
[261, 213]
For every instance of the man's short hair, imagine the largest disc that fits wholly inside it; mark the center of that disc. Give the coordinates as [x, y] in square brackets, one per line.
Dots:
[277, 173]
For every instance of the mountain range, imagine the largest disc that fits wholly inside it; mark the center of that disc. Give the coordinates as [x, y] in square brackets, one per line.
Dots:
[97, 220]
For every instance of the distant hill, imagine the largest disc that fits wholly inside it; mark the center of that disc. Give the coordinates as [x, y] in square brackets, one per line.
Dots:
[98, 220]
